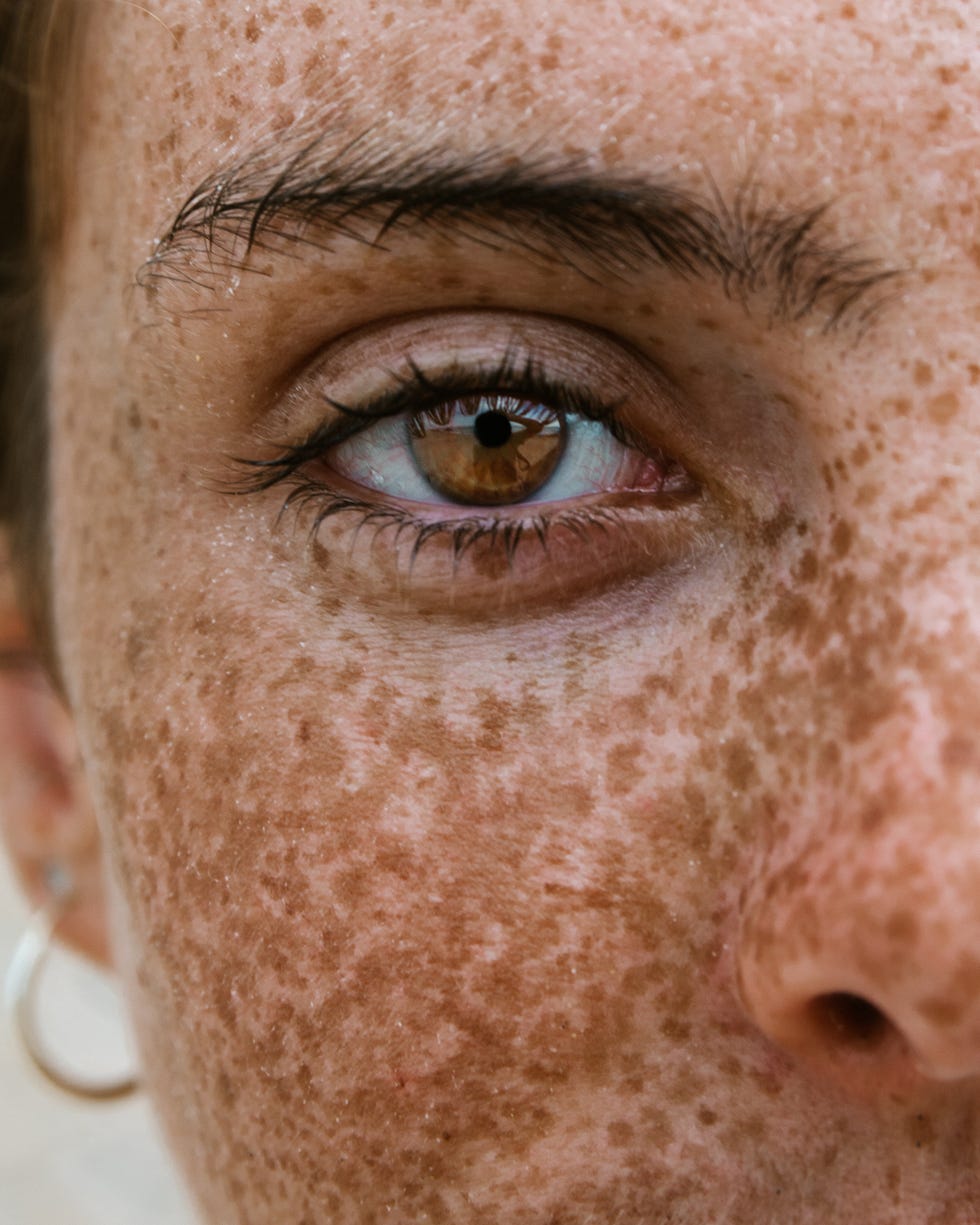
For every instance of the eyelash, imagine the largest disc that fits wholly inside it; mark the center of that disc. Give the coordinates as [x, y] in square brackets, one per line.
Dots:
[413, 393]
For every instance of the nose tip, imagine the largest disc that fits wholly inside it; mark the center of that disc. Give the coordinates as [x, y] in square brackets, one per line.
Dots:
[871, 977]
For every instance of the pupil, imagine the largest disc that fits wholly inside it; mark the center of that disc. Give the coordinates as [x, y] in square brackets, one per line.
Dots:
[492, 429]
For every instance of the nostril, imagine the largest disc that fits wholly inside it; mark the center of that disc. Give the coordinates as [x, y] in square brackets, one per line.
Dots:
[850, 1020]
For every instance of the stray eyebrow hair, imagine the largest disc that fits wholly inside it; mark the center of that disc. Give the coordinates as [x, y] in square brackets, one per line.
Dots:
[599, 223]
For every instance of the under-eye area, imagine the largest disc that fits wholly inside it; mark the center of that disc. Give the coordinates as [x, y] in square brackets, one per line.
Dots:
[488, 455]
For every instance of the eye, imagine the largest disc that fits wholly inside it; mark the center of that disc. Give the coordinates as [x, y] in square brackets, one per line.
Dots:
[486, 459]
[496, 449]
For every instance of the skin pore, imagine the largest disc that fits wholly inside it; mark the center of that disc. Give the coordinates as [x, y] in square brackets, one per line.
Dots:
[632, 881]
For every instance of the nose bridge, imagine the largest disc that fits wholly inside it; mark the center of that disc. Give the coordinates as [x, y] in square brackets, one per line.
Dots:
[894, 648]
[928, 755]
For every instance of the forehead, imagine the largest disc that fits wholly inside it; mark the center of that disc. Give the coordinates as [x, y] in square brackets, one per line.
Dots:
[877, 103]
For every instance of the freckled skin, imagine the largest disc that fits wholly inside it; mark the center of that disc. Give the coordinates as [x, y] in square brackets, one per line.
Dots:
[432, 919]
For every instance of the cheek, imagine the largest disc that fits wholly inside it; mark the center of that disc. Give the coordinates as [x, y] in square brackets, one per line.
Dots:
[478, 833]
[396, 899]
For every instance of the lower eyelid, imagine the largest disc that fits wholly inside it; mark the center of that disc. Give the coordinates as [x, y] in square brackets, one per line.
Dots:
[411, 563]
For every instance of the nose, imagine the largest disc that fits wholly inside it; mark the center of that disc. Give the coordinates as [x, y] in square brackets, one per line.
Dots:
[859, 945]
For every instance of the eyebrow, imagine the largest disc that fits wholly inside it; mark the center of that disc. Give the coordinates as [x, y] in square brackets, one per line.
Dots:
[602, 224]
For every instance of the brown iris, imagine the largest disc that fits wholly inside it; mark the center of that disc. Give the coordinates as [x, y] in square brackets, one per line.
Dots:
[487, 450]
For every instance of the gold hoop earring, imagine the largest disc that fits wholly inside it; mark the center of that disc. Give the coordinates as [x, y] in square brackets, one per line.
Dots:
[23, 976]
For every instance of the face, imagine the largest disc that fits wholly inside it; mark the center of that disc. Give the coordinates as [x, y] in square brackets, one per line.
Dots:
[519, 611]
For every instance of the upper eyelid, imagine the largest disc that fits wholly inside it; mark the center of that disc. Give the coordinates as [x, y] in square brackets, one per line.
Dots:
[422, 389]
[494, 344]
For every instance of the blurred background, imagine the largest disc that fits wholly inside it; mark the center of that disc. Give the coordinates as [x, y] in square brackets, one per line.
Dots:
[64, 1162]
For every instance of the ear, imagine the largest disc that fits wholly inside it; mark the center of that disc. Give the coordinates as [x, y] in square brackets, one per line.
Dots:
[46, 817]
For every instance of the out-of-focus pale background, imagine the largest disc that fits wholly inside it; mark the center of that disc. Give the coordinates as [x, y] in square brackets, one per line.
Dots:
[64, 1162]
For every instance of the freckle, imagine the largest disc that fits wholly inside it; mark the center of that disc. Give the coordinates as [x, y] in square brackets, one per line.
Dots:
[313, 70]
[790, 614]
[841, 539]
[622, 771]
[923, 374]
[848, 12]
[707, 1117]
[620, 1134]
[226, 127]
[313, 16]
[654, 684]
[829, 756]
[253, 31]
[958, 752]
[807, 568]
[943, 408]
[277, 73]
[860, 455]
[676, 1030]
[740, 765]
[774, 528]
[940, 118]
[902, 927]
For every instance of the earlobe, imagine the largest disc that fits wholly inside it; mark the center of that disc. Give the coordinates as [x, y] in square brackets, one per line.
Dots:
[46, 815]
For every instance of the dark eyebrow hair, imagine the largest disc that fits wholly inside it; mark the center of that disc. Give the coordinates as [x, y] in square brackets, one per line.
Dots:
[602, 224]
